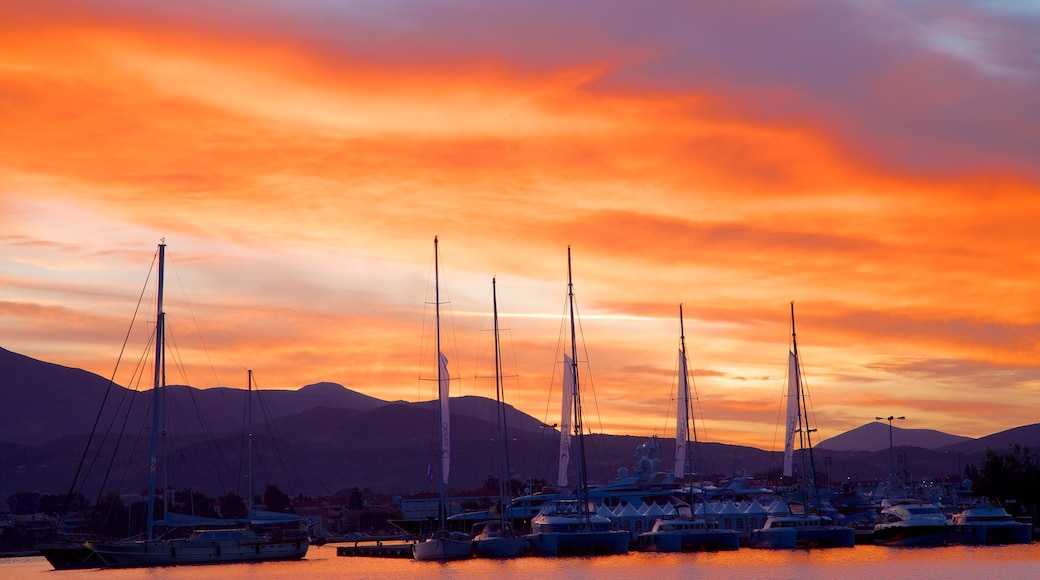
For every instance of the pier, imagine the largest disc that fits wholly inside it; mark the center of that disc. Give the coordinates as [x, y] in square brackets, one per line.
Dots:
[395, 549]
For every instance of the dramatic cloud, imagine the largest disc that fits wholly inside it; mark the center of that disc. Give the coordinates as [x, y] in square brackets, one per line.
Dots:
[872, 162]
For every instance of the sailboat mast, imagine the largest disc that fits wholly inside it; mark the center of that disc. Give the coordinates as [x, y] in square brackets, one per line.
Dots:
[249, 446]
[154, 442]
[578, 427]
[503, 466]
[440, 372]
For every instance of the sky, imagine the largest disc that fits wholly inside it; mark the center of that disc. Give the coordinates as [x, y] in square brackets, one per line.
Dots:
[877, 163]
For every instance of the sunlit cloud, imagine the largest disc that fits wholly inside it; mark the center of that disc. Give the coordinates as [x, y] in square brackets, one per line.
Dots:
[872, 162]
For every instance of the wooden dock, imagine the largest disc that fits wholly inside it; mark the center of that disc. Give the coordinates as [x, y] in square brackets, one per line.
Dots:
[376, 550]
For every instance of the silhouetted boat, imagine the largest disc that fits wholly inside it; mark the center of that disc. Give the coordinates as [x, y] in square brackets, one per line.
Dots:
[186, 539]
[573, 526]
[497, 538]
[988, 525]
[909, 522]
[443, 544]
[804, 529]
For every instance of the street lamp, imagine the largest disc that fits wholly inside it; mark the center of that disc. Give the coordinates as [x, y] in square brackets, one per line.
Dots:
[891, 464]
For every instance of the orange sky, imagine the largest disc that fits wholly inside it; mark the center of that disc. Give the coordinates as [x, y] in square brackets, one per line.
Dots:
[874, 163]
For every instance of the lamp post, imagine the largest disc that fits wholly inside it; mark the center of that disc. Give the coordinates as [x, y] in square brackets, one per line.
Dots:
[891, 464]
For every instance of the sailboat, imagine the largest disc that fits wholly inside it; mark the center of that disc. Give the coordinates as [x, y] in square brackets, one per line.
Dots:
[808, 528]
[262, 536]
[497, 538]
[685, 532]
[442, 545]
[572, 526]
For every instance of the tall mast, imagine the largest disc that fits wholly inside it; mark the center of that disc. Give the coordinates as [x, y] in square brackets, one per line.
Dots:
[154, 442]
[249, 446]
[578, 428]
[503, 467]
[440, 372]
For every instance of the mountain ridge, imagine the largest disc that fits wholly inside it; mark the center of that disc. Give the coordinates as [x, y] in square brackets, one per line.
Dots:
[325, 438]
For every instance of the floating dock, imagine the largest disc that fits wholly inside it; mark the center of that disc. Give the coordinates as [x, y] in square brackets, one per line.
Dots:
[376, 550]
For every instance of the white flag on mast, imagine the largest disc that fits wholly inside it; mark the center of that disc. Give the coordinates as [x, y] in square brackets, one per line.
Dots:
[565, 421]
[792, 413]
[445, 418]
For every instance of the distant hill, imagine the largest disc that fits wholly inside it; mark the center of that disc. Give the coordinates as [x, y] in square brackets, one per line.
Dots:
[875, 437]
[44, 401]
[1028, 435]
[325, 438]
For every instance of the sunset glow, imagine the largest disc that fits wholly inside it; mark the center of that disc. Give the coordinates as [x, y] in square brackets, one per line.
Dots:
[876, 163]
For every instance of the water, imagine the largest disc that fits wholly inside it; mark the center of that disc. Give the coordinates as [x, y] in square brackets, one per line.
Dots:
[860, 563]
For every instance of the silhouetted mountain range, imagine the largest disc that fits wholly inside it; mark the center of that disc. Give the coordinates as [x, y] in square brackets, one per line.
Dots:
[875, 437]
[325, 438]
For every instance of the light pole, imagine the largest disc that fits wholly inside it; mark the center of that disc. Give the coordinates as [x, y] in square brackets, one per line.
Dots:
[891, 465]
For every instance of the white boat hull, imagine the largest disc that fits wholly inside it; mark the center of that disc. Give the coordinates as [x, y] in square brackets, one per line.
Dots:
[442, 549]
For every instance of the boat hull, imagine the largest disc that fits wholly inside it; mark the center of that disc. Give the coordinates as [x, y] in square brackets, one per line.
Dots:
[697, 541]
[500, 547]
[991, 534]
[442, 549]
[826, 537]
[177, 552]
[71, 557]
[594, 542]
[917, 535]
[773, 538]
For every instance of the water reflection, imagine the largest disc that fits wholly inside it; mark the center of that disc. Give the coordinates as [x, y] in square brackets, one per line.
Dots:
[861, 562]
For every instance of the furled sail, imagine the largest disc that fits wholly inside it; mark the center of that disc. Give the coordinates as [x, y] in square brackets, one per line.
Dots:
[565, 421]
[682, 418]
[792, 413]
[442, 378]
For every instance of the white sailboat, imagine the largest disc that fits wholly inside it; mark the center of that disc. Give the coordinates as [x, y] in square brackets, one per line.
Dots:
[808, 528]
[497, 538]
[572, 526]
[442, 545]
[686, 532]
[187, 539]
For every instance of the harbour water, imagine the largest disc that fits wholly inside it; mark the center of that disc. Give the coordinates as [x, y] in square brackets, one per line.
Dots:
[860, 563]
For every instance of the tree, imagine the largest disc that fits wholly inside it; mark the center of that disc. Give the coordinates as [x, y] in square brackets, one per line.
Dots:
[276, 500]
[1012, 478]
[61, 504]
[192, 502]
[23, 503]
[232, 506]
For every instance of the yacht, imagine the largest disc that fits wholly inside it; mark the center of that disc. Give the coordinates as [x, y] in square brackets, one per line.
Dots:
[988, 525]
[687, 534]
[801, 531]
[909, 522]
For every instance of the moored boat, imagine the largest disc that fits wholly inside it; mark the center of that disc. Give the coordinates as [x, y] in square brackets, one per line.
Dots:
[497, 538]
[178, 538]
[807, 529]
[565, 527]
[443, 544]
[909, 522]
[687, 535]
[988, 525]
[573, 526]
